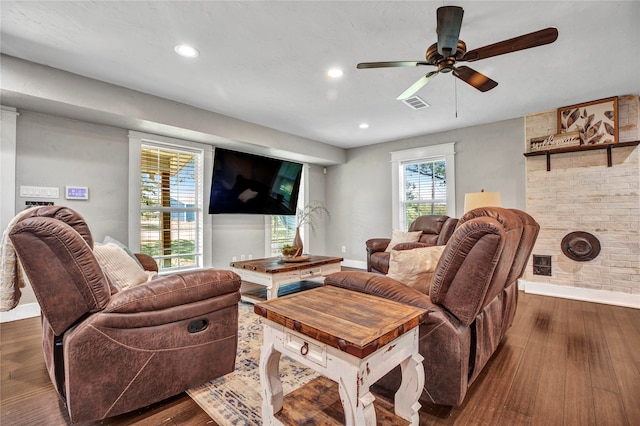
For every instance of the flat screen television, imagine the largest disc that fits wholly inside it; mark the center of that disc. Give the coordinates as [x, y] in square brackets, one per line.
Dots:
[253, 184]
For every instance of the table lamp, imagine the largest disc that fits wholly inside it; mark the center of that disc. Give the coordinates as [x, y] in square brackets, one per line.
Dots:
[474, 200]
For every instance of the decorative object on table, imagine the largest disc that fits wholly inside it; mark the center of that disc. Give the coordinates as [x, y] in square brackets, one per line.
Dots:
[596, 121]
[473, 200]
[289, 251]
[290, 254]
[308, 215]
[580, 246]
[560, 140]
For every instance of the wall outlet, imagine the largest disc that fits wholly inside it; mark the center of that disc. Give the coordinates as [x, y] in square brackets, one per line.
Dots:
[243, 257]
[542, 265]
[234, 259]
[343, 249]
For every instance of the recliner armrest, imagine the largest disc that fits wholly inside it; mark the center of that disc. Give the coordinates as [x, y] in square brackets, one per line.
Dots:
[148, 263]
[375, 245]
[381, 286]
[174, 290]
[410, 245]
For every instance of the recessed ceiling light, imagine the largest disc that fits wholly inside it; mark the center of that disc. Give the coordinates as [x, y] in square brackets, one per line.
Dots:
[335, 73]
[187, 51]
[364, 126]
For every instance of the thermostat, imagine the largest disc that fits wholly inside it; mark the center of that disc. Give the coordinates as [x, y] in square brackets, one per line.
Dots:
[76, 192]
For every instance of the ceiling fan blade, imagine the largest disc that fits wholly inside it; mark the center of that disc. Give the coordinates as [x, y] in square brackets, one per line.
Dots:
[527, 41]
[416, 86]
[364, 65]
[448, 29]
[474, 78]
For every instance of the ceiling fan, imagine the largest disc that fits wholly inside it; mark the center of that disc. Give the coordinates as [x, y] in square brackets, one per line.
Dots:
[450, 49]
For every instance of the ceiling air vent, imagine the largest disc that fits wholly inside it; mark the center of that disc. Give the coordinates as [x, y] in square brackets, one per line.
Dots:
[416, 102]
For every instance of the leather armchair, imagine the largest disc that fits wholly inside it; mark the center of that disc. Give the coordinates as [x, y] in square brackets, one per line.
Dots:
[471, 304]
[436, 231]
[109, 352]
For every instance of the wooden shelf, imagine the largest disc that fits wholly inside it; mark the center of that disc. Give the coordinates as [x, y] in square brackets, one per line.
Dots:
[563, 150]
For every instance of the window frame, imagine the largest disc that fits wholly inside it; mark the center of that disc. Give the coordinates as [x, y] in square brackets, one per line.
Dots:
[136, 141]
[302, 200]
[426, 154]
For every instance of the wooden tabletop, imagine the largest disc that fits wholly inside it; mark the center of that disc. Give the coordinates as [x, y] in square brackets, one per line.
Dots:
[273, 265]
[354, 322]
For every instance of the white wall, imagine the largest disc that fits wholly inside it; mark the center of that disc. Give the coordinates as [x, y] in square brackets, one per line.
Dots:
[359, 192]
[54, 151]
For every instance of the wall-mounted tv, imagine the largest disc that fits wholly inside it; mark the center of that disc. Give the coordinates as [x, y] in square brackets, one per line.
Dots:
[253, 184]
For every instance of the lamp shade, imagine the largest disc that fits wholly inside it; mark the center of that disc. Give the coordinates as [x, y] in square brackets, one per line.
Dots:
[473, 200]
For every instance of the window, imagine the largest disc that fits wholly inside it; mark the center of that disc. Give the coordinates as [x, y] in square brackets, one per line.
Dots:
[423, 183]
[283, 228]
[170, 199]
[425, 189]
[283, 232]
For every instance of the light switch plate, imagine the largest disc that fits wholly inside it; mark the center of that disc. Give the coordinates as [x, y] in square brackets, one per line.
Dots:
[39, 191]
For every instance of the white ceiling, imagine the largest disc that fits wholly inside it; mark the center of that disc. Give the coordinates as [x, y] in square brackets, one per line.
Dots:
[266, 62]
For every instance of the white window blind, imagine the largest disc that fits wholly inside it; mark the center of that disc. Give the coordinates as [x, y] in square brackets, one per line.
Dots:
[425, 189]
[171, 206]
[423, 183]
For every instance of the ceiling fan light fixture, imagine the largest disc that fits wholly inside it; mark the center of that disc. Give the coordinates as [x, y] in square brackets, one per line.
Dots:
[187, 51]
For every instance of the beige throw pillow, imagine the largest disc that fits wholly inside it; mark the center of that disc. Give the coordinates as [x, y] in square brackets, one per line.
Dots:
[119, 266]
[403, 237]
[415, 267]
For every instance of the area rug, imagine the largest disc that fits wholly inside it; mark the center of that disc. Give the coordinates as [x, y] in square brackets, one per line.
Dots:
[235, 399]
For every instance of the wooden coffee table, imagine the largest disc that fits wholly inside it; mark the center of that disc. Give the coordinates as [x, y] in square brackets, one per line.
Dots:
[273, 272]
[351, 338]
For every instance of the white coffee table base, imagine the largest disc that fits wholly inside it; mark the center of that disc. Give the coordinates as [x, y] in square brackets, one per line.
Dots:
[273, 281]
[353, 375]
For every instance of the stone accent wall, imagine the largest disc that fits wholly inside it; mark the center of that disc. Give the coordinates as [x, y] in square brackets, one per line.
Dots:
[581, 193]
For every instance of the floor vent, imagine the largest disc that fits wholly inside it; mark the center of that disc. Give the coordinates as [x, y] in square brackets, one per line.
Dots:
[416, 102]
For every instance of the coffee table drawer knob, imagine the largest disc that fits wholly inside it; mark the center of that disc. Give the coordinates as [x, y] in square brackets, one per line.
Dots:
[297, 345]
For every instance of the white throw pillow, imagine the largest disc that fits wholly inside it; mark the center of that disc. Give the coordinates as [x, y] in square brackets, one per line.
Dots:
[119, 266]
[109, 239]
[415, 267]
[403, 237]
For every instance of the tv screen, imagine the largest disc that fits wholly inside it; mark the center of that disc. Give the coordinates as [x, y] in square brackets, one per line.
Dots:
[252, 184]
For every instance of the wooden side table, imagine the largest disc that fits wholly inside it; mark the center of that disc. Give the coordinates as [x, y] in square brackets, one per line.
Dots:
[352, 338]
[273, 272]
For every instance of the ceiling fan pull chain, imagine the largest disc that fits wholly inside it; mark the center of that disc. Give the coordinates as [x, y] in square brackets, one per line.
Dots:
[455, 90]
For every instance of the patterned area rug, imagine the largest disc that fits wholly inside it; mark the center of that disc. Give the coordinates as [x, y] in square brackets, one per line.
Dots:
[235, 399]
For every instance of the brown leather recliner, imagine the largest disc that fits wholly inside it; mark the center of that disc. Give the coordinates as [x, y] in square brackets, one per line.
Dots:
[472, 301]
[436, 231]
[107, 353]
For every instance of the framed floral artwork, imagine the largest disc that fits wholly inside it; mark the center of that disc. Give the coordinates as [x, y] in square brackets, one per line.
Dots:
[596, 121]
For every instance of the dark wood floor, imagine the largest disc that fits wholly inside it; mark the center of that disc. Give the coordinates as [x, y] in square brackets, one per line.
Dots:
[562, 363]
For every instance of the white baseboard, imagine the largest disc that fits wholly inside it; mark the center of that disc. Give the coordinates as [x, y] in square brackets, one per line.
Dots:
[583, 294]
[28, 310]
[360, 264]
